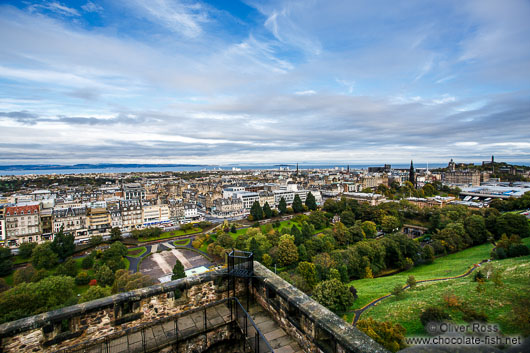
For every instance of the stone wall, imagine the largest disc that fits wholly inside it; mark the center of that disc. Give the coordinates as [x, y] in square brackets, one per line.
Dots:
[314, 327]
[69, 326]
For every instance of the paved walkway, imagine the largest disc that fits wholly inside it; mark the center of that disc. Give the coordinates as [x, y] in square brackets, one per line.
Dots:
[278, 339]
[358, 312]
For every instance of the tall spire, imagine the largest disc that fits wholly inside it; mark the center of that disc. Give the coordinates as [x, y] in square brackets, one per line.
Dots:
[412, 178]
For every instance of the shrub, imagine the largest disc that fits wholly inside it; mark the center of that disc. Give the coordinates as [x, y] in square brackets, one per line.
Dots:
[82, 278]
[433, 314]
[452, 300]
[471, 315]
[93, 282]
[94, 293]
[478, 276]
[397, 290]
[391, 336]
[334, 295]
[87, 262]
[25, 250]
[411, 281]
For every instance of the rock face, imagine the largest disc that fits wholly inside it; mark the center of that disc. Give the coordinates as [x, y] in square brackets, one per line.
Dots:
[131, 314]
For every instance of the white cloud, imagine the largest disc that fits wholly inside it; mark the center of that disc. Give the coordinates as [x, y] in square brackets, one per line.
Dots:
[91, 7]
[54, 7]
[306, 93]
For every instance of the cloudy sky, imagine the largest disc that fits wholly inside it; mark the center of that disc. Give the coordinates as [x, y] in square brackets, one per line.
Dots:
[177, 81]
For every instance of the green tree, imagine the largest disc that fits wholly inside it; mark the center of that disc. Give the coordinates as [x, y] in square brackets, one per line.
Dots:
[308, 272]
[411, 281]
[390, 224]
[347, 217]
[6, 261]
[511, 223]
[428, 254]
[429, 190]
[389, 335]
[178, 271]
[282, 206]
[287, 251]
[233, 228]
[311, 202]
[87, 262]
[43, 256]
[82, 278]
[93, 293]
[334, 295]
[25, 250]
[307, 230]
[318, 219]
[266, 260]
[24, 275]
[475, 226]
[63, 244]
[225, 240]
[369, 229]
[256, 211]
[341, 234]
[125, 281]
[115, 234]
[104, 276]
[267, 211]
[68, 268]
[297, 204]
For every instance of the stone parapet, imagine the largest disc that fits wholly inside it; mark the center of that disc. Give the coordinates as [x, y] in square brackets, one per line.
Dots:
[314, 327]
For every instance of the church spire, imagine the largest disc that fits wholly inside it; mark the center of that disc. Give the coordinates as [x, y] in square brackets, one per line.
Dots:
[412, 177]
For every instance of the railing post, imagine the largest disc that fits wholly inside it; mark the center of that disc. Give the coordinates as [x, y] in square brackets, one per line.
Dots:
[144, 343]
[256, 345]
[177, 334]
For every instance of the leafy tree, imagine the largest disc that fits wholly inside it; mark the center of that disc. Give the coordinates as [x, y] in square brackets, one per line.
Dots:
[302, 253]
[282, 206]
[178, 271]
[390, 224]
[95, 240]
[308, 272]
[297, 204]
[24, 275]
[428, 254]
[429, 190]
[25, 250]
[87, 262]
[347, 217]
[32, 298]
[334, 295]
[511, 223]
[125, 281]
[68, 268]
[104, 276]
[287, 251]
[266, 260]
[297, 234]
[475, 226]
[307, 230]
[6, 261]
[311, 202]
[82, 278]
[389, 335]
[256, 211]
[63, 244]
[225, 240]
[115, 234]
[93, 293]
[233, 228]
[3, 285]
[43, 256]
[341, 234]
[411, 281]
[353, 291]
[318, 219]
[267, 210]
[369, 229]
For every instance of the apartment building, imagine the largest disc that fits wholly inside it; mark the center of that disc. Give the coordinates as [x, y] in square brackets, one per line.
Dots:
[462, 177]
[228, 207]
[131, 214]
[22, 224]
[98, 221]
[72, 220]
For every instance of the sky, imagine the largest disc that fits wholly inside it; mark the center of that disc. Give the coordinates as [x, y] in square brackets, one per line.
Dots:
[229, 81]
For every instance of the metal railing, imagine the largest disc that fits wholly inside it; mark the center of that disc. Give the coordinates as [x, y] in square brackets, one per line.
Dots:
[168, 331]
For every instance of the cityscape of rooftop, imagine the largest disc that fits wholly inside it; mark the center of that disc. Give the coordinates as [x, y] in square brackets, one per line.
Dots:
[264, 176]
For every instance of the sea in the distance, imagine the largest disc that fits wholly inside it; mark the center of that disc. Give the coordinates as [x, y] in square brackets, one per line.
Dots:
[47, 170]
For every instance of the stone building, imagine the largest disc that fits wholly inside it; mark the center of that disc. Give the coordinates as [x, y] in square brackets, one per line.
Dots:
[462, 177]
[22, 224]
[72, 220]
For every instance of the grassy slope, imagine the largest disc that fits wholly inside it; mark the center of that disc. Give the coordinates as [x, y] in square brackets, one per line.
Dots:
[494, 301]
[447, 266]
[174, 233]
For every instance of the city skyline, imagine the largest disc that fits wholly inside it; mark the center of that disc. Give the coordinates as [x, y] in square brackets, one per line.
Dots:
[196, 82]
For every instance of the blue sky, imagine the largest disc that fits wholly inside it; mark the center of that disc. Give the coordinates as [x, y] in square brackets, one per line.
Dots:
[171, 81]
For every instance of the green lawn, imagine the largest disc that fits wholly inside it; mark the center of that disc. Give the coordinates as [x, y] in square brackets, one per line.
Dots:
[136, 252]
[447, 266]
[172, 234]
[20, 260]
[494, 301]
[181, 242]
